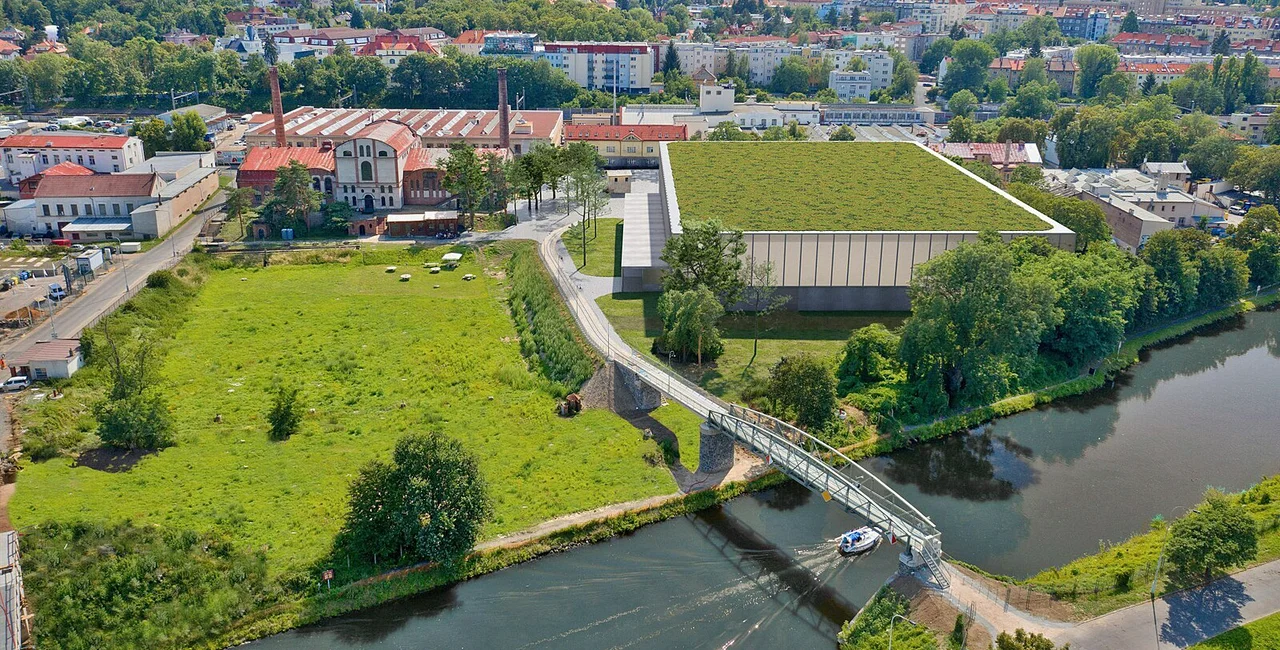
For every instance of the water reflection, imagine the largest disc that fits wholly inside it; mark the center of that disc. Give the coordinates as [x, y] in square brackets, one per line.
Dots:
[973, 467]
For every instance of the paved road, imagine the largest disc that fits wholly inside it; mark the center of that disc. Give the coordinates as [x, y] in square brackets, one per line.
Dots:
[1185, 618]
[107, 291]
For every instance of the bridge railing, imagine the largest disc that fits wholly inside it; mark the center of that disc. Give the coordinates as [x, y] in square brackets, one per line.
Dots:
[863, 493]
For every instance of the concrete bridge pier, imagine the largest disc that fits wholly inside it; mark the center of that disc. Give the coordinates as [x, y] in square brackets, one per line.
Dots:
[715, 450]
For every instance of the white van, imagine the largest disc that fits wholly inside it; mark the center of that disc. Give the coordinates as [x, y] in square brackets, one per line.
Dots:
[15, 384]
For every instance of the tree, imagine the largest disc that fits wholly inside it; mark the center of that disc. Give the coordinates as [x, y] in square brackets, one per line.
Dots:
[1033, 100]
[843, 133]
[1221, 44]
[270, 52]
[285, 415]
[1085, 140]
[1033, 69]
[465, 178]
[791, 76]
[1175, 275]
[706, 255]
[976, 322]
[1095, 62]
[805, 385]
[47, 74]
[1027, 175]
[291, 200]
[997, 90]
[1258, 235]
[189, 130]
[962, 104]
[587, 189]
[760, 297]
[870, 356]
[1211, 157]
[970, 60]
[956, 33]
[1217, 535]
[139, 421]
[1116, 87]
[1272, 132]
[1149, 83]
[729, 132]
[671, 61]
[689, 324]
[934, 54]
[154, 135]
[1130, 23]
[239, 202]
[1222, 275]
[1257, 169]
[1023, 640]
[1097, 294]
[428, 504]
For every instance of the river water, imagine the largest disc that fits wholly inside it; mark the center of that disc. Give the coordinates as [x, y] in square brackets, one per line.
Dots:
[1028, 492]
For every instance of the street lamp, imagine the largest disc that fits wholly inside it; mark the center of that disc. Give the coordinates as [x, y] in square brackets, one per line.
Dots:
[1155, 579]
[124, 268]
[891, 621]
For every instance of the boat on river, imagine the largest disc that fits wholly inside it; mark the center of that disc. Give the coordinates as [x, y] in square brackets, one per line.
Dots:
[859, 541]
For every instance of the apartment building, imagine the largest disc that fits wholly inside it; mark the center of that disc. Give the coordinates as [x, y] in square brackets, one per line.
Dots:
[848, 85]
[29, 154]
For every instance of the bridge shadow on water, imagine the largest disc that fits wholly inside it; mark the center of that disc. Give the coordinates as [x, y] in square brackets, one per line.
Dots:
[808, 596]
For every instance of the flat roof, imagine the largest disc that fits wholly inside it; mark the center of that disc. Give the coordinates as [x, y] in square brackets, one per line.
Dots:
[99, 224]
[838, 186]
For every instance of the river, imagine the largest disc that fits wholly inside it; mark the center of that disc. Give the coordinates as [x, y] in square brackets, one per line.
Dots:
[1025, 493]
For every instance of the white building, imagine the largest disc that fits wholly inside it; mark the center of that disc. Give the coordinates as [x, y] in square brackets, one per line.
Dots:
[29, 154]
[375, 158]
[848, 85]
[878, 63]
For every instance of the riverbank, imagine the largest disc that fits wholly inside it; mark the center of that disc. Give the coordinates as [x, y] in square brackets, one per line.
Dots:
[415, 580]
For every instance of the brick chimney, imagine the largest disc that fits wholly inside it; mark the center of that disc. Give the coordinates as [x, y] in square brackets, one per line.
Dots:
[277, 106]
[504, 111]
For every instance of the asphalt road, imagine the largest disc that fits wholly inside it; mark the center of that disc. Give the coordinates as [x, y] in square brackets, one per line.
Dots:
[105, 292]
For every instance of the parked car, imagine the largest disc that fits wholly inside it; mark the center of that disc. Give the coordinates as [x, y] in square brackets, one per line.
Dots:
[8, 283]
[56, 292]
[104, 124]
[52, 127]
[15, 384]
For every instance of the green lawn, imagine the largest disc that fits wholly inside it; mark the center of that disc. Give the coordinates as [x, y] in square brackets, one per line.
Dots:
[834, 186]
[635, 316]
[1090, 582]
[1262, 634]
[375, 358]
[686, 425]
[604, 248]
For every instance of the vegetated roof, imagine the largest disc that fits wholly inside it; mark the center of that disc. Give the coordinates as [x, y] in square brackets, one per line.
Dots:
[55, 140]
[97, 185]
[644, 132]
[836, 186]
[272, 158]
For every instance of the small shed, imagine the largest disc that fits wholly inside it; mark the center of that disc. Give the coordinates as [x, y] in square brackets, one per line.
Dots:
[56, 359]
[619, 181]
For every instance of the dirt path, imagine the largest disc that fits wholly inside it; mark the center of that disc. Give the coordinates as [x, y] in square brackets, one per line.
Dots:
[576, 519]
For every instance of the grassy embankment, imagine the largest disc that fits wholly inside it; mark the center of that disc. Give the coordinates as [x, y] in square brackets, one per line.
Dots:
[375, 358]
[604, 248]
[1121, 575]
[1262, 634]
[635, 317]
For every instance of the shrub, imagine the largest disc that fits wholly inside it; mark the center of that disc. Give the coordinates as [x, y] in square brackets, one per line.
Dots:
[870, 355]
[136, 422]
[162, 280]
[547, 333]
[285, 415]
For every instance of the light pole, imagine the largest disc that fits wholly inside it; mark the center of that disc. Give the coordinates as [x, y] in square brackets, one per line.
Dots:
[891, 621]
[124, 268]
[1155, 579]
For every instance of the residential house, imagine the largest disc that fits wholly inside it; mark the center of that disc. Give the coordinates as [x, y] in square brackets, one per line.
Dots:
[626, 145]
[848, 85]
[9, 51]
[55, 359]
[1003, 156]
[1139, 43]
[394, 47]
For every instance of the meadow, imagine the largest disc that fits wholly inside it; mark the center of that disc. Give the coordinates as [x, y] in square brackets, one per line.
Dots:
[1259, 635]
[834, 186]
[374, 358]
[734, 374]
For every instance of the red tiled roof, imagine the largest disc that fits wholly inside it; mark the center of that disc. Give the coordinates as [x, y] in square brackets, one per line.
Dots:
[395, 42]
[1139, 38]
[471, 37]
[97, 185]
[44, 141]
[67, 168]
[993, 150]
[753, 39]
[1153, 68]
[8, 48]
[645, 132]
[273, 158]
[49, 351]
[399, 136]
[425, 159]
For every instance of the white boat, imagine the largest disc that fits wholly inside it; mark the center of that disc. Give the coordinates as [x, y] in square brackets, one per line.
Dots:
[859, 541]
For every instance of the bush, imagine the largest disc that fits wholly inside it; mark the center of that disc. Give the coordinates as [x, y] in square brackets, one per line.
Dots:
[870, 629]
[870, 355]
[285, 415]
[162, 280]
[135, 422]
[547, 333]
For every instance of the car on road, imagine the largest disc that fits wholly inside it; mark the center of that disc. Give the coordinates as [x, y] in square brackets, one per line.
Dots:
[15, 384]
[56, 292]
[52, 127]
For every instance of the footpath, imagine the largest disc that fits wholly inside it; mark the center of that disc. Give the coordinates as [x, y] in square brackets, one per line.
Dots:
[1177, 620]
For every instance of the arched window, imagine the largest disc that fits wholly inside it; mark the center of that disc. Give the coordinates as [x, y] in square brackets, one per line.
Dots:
[366, 171]
[382, 153]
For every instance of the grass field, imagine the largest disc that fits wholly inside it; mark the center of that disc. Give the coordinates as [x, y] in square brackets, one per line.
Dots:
[834, 186]
[1262, 634]
[1091, 584]
[635, 317]
[375, 358]
[604, 248]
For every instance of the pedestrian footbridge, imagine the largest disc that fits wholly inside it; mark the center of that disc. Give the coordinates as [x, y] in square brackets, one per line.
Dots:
[823, 469]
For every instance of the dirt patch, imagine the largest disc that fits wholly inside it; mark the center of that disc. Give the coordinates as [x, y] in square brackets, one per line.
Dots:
[1030, 601]
[934, 611]
[105, 459]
